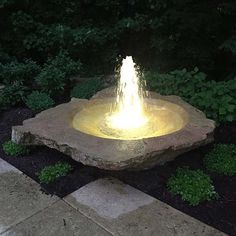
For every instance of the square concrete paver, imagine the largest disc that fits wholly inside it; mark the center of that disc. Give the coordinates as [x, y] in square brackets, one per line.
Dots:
[124, 210]
[20, 196]
[60, 219]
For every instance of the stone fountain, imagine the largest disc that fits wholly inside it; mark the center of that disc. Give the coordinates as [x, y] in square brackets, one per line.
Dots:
[120, 128]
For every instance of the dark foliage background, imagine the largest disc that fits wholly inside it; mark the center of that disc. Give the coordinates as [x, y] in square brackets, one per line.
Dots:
[43, 44]
[164, 34]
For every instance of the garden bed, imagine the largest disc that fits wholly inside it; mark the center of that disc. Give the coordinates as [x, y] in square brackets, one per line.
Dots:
[220, 213]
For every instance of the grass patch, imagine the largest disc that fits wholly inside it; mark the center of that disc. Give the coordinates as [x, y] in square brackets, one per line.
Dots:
[192, 185]
[222, 159]
[13, 149]
[53, 172]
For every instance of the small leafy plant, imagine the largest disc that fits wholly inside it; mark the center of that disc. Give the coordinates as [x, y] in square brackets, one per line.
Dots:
[87, 88]
[12, 94]
[39, 101]
[53, 172]
[222, 159]
[192, 185]
[14, 149]
[19, 71]
[63, 62]
[51, 80]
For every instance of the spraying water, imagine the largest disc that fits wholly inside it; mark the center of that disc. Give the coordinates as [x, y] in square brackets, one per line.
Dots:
[129, 109]
[129, 116]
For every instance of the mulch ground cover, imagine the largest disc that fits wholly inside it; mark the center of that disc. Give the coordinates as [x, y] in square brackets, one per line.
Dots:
[220, 213]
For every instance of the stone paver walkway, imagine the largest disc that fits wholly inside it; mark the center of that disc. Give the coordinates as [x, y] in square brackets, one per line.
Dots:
[103, 207]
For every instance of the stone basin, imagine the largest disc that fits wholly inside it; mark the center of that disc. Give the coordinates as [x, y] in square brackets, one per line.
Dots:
[56, 129]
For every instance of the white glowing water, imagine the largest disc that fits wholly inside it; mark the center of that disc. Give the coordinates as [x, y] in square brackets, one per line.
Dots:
[129, 112]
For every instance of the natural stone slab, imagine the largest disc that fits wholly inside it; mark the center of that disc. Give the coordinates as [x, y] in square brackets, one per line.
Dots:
[153, 217]
[20, 196]
[6, 167]
[59, 219]
[53, 128]
[110, 198]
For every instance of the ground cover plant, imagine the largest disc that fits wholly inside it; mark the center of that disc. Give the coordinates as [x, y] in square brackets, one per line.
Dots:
[194, 186]
[222, 159]
[53, 172]
[13, 149]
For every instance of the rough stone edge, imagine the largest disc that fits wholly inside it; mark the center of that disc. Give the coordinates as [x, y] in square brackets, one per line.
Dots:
[19, 136]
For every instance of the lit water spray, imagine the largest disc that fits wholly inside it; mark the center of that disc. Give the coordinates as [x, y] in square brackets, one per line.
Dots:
[129, 116]
[129, 109]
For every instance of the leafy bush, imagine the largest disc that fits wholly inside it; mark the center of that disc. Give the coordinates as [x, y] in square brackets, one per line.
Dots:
[87, 88]
[192, 185]
[64, 63]
[222, 159]
[216, 99]
[12, 94]
[14, 149]
[17, 71]
[178, 82]
[39, 101]
[53, 172]
[51, 80]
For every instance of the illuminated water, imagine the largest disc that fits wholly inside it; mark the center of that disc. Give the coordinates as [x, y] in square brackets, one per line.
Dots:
[129, 116]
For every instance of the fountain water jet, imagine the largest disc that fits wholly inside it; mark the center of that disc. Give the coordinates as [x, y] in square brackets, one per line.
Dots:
[129, 109]
[129, 116]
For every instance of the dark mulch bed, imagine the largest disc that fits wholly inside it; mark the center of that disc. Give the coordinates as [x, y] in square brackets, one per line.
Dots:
[219, 213]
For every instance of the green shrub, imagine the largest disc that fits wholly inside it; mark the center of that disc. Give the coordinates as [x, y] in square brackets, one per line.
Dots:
[192, 185]
[64, 63]
[216, 99]
[14, 149]
[222, 159]
[178, 82]
[51, 80]
[53, 172]
[87, 88]
[17, 71]
[12, 94]
[38, 101]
